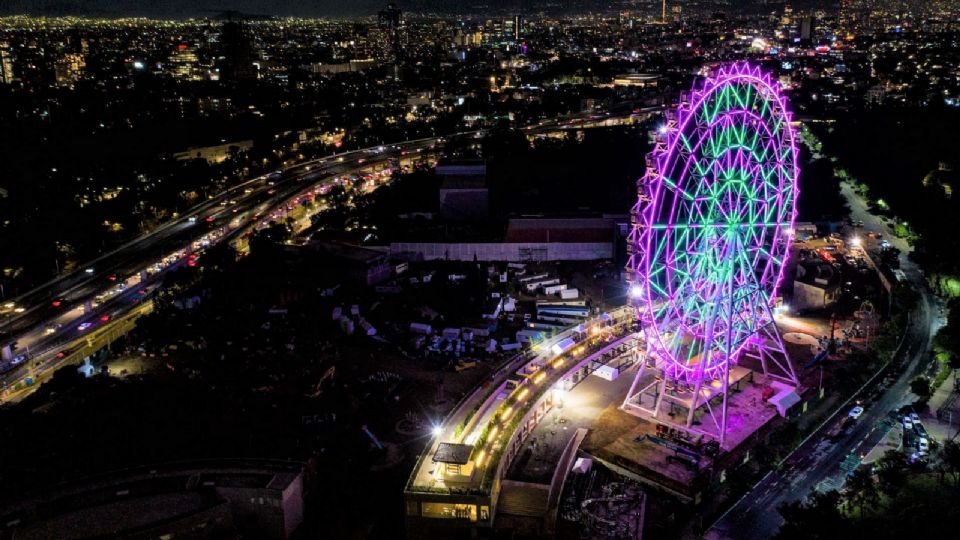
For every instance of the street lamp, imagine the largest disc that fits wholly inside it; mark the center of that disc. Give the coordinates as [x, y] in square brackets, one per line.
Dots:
[558, 394]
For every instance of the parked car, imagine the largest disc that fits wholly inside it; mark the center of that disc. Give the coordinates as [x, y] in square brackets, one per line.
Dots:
[923, 446]
[907, 424]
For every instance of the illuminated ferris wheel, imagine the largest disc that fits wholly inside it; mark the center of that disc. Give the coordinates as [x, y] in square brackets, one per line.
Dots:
[711, 233]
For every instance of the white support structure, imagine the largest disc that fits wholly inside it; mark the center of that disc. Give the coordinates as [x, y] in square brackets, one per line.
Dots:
[686, 397]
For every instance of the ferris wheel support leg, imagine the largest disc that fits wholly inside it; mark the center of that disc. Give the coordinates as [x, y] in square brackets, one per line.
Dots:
[785, 367]
[661, 392]
[723, 413]
[636, 379]
[726, 367]
[633, 388]
[633, 401]
[698, 387]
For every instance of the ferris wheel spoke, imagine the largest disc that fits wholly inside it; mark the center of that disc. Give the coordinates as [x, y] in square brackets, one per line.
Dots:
[712, 221]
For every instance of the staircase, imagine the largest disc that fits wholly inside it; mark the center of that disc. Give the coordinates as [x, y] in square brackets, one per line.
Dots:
[523, 499]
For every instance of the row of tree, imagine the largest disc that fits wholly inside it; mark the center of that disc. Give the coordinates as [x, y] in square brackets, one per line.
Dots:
[892, 499]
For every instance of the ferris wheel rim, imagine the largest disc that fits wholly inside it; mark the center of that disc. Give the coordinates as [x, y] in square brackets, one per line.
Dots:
[785, 204]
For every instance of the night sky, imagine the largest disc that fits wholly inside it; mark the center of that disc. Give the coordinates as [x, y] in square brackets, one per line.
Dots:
[206, 8]
[187, 8]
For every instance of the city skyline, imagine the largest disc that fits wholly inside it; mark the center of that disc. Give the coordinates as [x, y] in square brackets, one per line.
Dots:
[204, 8]
[540, 270]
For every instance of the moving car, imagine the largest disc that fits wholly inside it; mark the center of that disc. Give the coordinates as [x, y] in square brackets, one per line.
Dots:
[84, 326]
[855, 412]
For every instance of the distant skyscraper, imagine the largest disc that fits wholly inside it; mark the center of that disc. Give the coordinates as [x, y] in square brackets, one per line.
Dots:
[806, 28]
[33, 68]
[517, 28]
[6, 63]
[183, 63]
[844, 17]
[237, 51]
[391, 20]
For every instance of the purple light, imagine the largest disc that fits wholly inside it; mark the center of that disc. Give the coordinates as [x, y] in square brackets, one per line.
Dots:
[711, 227]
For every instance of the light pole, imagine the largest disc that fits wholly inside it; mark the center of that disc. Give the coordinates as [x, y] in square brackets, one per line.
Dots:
[821, 380]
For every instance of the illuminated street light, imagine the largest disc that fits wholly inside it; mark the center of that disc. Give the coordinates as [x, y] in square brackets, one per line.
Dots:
[559, 393]
[635, 291]
[436, 430]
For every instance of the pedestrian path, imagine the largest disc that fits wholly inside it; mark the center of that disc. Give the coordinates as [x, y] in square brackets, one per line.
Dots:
[942, 418]
[892, 440]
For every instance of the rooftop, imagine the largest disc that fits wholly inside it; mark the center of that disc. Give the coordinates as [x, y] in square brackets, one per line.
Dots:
[349, 252]
[463, 181]
[589, 229]
[458, 454]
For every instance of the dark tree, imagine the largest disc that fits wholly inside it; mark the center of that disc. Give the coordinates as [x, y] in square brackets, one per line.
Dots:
[891, 473]
[816, 518]
[861, 489]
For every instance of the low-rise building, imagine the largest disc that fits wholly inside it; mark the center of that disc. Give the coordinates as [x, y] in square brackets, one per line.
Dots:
[358, 264]
[206, 499]
[816, 286]
[463, 190]
[527, 239]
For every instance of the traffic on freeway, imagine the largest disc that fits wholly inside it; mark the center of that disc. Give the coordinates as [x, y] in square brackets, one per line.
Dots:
[39, 327]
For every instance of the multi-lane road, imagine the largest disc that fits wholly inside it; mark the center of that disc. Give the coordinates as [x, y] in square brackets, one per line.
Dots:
[819, 457]
[50, 318]
[41, 327]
